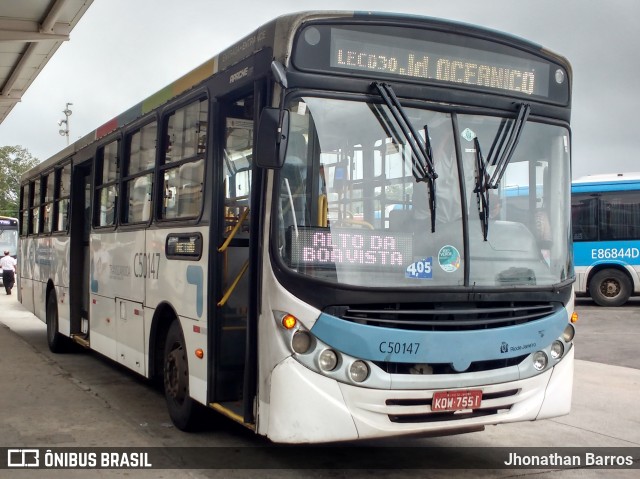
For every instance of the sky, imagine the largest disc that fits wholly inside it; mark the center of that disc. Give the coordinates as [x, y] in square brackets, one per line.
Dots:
[123, 51]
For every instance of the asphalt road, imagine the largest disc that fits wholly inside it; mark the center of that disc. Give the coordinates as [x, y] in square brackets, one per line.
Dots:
[608, 335]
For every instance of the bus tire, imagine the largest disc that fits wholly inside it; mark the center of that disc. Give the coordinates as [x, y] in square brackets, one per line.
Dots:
[183, 410]
[610, 287]
[56, 341]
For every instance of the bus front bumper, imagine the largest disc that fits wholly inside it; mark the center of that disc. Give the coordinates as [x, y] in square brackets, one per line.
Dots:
[306, 407]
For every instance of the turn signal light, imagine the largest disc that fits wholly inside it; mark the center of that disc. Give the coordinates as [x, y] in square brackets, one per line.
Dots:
[574, 317]
[289, 321]
[199, 353]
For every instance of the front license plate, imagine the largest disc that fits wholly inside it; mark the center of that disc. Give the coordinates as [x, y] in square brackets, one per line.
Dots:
[456, 400]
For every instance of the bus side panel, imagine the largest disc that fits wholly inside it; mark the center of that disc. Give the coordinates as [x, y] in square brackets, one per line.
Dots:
[64, 311]
[102, 326]
[117, 292]
[616, 254]
[181, 281]
[60, 276]
[130, 335]
[580, 286]
[25, 279]
[195, 337]
[40, 258]
[117, 263]
[26, 294]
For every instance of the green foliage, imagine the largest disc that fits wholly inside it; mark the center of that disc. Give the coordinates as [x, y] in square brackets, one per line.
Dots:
[14, 161]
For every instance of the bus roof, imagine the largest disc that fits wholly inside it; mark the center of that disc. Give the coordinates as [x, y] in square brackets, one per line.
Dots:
[276, 34]
[607, 182]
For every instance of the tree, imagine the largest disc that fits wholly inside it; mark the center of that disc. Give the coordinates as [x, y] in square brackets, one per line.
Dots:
[14, 161]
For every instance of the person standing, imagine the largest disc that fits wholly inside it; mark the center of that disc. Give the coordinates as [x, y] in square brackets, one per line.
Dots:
[8, 264]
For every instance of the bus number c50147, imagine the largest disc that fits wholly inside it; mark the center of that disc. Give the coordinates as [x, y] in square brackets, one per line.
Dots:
[392, 347]
[146, 265]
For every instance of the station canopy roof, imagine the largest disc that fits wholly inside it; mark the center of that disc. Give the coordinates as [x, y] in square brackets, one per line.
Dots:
[30, 33]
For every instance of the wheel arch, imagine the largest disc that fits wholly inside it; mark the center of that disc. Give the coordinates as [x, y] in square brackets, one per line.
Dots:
[51, 289]
[163, 316]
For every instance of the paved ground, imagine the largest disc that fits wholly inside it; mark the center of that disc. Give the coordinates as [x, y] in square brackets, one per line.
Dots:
[67, 401]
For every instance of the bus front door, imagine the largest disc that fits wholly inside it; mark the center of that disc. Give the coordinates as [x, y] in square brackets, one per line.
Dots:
[232, 269]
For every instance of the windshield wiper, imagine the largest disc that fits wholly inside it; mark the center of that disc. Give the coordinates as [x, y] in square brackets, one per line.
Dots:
[482, 189]
[502, 148]
[422, 165]
[502, 160]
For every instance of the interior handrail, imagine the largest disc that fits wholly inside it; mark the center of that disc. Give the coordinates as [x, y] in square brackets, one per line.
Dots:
[235, 229]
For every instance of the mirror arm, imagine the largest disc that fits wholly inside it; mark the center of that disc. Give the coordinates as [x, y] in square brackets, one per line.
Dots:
[280, 76]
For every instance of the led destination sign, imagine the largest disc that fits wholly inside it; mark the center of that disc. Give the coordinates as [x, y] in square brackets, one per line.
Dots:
[437, 61]
[335, 247]
[430, 56]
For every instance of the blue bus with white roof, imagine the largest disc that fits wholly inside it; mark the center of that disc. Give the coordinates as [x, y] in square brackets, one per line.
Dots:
[606, 234]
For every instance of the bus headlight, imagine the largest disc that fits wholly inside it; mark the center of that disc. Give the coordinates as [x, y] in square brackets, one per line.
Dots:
[301, 342]
[557, 349]
[569, 333]
[540, 360]
[328, 360]
[359, 371]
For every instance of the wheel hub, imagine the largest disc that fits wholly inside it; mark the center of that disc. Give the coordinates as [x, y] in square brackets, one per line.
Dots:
[610, 288]
[176, 375]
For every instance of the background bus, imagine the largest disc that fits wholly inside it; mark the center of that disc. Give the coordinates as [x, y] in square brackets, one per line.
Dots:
[8, 237]
[606, 234]
[297, 233]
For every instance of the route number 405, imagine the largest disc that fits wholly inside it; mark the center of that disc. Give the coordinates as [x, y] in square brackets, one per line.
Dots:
[420, 269]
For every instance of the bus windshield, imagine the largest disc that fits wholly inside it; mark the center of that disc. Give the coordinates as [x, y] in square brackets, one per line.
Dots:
[352, 211]
[8, 240]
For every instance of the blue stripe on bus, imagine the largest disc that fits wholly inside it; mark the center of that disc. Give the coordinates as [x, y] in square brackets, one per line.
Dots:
[195, 276]
[459, 348]
[591, 253]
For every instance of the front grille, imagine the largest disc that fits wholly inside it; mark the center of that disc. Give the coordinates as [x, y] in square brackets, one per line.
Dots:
[443, 368]
[445, 316]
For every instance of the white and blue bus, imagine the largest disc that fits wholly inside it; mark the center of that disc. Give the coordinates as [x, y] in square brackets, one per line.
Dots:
[606, 235]
[300, 233]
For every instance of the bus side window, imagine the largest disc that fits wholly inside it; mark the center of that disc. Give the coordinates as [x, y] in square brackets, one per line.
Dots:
[24, 209]
[62, 197]
[189, 196]
[183, 169]
[106, 184]
[139, 162]
[139, 199]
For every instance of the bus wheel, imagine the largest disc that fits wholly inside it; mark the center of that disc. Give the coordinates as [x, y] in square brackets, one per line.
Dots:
[183, 410]
[57, 342]
[610, 287]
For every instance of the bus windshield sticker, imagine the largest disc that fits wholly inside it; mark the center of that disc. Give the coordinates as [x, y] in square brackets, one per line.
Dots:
[449, 258]
[468, 134]
[421, 269]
